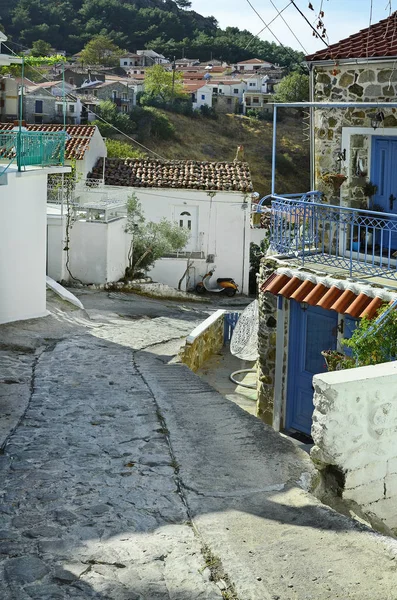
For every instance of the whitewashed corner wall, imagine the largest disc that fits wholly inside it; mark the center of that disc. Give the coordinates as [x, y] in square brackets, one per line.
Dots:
[354, 429]
[23, 246]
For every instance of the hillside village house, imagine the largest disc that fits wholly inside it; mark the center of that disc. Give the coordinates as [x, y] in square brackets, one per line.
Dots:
[23, 196]
[212, 199]
[334, 262]
[118, 91]
[43, 103]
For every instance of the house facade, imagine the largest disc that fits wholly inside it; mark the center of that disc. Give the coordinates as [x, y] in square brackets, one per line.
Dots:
[43, 104]
[333, 262]
[9, 96]
[121, 93]
[211, 199]
[253, 64]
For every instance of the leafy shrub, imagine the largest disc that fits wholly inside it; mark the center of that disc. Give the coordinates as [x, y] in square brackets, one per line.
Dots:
[208, 112]
[117, 149]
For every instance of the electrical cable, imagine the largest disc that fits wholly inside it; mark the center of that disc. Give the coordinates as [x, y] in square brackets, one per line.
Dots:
[308, 22]
[291, 30]
[266, 26]
[271, 31]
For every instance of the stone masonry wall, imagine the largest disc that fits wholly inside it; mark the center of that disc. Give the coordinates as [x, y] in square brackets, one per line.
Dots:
[266, 364]
[351, 83]
[207, 343]
[354, 425]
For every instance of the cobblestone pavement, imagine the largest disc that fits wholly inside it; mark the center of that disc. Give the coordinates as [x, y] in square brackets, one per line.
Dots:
[90, 506]
[129, 478]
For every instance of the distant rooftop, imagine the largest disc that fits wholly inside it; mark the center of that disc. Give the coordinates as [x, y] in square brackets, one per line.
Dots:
[188, 174]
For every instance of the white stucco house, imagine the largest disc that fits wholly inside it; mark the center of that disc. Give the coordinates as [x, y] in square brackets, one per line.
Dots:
[212, 199]
[201, 93]
[23, 204]
[253, 64]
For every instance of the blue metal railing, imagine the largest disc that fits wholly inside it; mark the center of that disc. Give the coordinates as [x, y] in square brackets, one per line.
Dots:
[29, 148]
[363, 242]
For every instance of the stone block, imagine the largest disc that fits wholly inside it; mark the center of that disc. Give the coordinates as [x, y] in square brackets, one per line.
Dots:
[390, 121]
[345, 80]
[388, 90]
[373, 91]
[386, 75]
[367, 76]
[371, 472]
[323, 78]
[25, 569]
[356, 90]
[366, 494]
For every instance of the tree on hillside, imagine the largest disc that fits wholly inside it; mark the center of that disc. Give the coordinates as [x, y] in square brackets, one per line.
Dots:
[40, 48]
[107, 110]
[161, 84]
[101, 51]
[293, 88]
[150, 240]
[117, 149]
[183, 3]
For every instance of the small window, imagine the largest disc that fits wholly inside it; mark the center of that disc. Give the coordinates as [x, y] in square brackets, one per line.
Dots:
[95, 92]
[229, 100]
[59, 109]
[38, 106]
[255, 100]
[114, 94]
[71, 80]
[252, 84]
[124, 96]
[186, 220]
[202, 96]
[71, 107]
[235, 91]
[125, 63]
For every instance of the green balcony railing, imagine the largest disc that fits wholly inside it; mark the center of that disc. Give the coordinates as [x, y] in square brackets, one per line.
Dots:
[32, 148]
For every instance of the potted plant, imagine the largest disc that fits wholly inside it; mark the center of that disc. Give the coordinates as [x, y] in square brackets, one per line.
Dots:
[334, 180]
[370, 190]
[337, 361]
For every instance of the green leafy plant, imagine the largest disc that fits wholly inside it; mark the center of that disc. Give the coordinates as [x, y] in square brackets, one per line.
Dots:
[374, 344]
[150, 240]
[117, 149]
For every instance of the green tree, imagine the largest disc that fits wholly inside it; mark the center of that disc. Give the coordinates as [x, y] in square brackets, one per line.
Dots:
[163, 84]
[117, 149]
[150, 240]
[40, 48]
[293, 88]
[183, 3]
[112, 118]
[101, 51]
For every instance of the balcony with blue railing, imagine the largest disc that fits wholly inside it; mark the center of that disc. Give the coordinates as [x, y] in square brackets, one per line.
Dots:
[360, 243]
[31, 149]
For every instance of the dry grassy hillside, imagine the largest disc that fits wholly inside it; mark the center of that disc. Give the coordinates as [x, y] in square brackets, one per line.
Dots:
[206, 139]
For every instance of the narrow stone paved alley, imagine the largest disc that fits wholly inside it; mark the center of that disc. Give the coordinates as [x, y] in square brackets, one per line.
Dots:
[129, 478]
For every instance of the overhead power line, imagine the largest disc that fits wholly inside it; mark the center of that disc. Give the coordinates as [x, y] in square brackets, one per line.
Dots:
[267, 26]
[291, 30]
[308, 22]
[271, 31]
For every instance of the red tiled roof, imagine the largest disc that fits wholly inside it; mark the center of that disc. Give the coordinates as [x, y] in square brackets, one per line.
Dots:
[76, 145]
[373, 42]
[344, 301]
[252, 61]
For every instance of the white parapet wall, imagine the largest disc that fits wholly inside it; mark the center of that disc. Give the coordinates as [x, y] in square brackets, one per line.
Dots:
[354, 429]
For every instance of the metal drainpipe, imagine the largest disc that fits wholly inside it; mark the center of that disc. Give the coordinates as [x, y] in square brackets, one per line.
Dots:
[244, 207]
[312, 139]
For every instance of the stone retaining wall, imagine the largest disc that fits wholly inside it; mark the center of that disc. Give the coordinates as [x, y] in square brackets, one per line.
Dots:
[354, 425]
[266, 364]
[204, 341]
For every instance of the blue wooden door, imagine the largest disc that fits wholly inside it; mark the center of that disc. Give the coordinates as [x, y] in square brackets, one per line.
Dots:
[312, 330]
[384, 175]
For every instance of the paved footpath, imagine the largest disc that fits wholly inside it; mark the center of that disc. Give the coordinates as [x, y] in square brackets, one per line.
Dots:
[129, 478]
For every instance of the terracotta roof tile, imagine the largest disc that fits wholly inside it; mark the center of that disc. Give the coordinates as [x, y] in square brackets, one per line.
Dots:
[76, 146]
[373, 42]
[330, 298]
[189, 174]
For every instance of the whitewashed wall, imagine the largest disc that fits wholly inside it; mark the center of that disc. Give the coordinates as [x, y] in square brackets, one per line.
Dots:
[171, 270]
[258, 235]
[98, 251]
[354, 428]
[205, 91]
[23, 246]
[222, 229]
[56, 256]
[97, 149]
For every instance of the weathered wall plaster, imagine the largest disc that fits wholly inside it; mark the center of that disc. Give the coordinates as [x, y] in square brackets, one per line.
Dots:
[354, 425]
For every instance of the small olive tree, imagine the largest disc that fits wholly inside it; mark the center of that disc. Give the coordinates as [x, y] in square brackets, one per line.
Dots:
[150, 240]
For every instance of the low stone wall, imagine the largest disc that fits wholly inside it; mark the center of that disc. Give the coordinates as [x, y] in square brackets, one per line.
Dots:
[205, 340]
[354, 431]
[266, 344]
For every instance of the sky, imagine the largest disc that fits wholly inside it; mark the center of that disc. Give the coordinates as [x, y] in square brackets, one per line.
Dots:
[342, 18]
